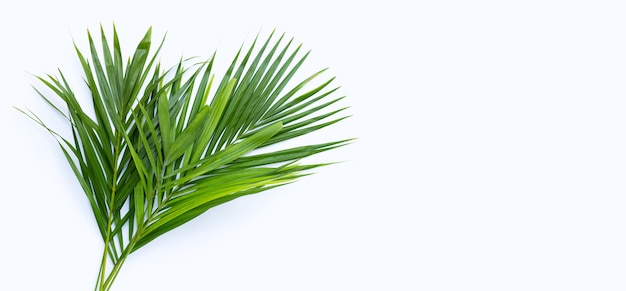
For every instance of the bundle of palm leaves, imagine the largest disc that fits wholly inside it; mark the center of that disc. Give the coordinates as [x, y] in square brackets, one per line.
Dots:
[159, 151]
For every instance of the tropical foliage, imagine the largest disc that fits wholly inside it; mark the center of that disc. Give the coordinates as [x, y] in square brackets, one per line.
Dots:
[156, 151]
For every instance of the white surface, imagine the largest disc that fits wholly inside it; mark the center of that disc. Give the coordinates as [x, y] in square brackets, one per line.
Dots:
[491, 152]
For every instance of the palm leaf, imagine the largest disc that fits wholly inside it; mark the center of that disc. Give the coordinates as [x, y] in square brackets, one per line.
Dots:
[159, 151]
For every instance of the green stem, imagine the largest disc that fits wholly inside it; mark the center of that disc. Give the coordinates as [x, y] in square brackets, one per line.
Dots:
[105, 281]
[100, 282]
[103, 262]
[116, 269]
[106, 284]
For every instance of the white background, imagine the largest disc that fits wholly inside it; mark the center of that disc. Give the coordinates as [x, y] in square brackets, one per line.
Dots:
[491, 151]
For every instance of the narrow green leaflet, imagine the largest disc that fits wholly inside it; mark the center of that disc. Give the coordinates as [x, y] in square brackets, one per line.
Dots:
[164, 145]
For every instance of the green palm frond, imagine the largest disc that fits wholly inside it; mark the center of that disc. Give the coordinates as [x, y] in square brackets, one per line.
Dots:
[159, 151]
